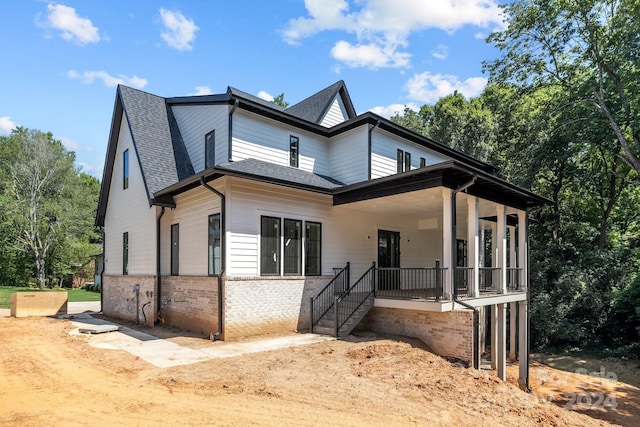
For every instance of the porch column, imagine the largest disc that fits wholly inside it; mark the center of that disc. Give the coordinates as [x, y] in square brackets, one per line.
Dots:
[513, 314]
[473, 244]
[501, 240]
[522, 250]
[502, 341]
[446, 244]
[494, 336]
[523, 354]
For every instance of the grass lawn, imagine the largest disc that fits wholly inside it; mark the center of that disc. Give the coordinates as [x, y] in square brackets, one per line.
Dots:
[75, 295]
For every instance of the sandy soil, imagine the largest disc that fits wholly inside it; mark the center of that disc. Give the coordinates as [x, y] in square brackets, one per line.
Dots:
[51, 378]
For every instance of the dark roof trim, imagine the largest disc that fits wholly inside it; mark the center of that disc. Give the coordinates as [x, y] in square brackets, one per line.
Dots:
[450, 174]
[114, 132]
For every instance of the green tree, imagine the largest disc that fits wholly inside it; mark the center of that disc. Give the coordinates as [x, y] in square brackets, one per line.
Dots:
[279, 100]
[42, 199]
[590, 48]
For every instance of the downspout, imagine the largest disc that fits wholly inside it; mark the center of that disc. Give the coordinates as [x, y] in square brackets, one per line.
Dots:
[230, 138]
[223, 244]
[476, 330]
[454, 262]
[371, 129]
[158, 272]
[102, 273]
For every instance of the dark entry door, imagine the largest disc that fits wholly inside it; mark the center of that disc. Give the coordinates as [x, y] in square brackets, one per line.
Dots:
[388, 257]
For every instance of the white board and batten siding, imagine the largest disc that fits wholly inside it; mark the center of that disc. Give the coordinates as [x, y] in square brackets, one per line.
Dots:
[196, 121]
[192, 215]
[384, 149]
[128, 210]
[348, 154]
[336, 113]
[268, 141]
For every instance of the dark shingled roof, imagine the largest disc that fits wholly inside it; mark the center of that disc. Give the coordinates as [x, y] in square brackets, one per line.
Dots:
[283, 174]
[237, 92]
[314, 107]
[161, 151]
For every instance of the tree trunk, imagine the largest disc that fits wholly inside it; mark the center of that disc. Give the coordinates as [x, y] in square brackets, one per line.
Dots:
[40, 272]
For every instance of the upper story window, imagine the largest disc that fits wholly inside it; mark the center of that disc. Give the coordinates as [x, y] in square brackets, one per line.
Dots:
[423, 162]
[407, 161]
[125, 169]
[294, 154]
[400, 161]
[210, 149]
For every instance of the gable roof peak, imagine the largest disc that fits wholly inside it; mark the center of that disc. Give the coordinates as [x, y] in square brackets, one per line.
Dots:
[315, 107]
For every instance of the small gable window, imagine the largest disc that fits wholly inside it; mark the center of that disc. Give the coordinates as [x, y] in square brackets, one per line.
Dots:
[210, 149]
[294, 154]
[125, 169]
[423, 162]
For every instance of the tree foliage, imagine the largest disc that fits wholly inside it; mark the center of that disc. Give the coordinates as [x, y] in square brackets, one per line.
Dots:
[47, 208]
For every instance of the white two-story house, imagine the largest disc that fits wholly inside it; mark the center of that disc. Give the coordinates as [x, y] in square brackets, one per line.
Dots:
[229, 215]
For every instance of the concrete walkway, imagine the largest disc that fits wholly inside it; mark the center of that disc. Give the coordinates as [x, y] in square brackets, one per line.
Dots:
[165, 354]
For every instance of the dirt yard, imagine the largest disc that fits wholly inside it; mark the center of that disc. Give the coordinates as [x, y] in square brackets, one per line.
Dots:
[52, 378]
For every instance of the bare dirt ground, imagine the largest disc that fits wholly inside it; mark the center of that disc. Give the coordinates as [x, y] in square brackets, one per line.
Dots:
[51, 378]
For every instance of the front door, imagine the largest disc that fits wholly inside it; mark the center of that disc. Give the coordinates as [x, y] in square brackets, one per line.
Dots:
[388, 257]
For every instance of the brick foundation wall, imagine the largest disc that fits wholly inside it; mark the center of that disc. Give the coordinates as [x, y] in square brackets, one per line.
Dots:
[119, 298]
[446, 333]
[192, 303]
[256, 305]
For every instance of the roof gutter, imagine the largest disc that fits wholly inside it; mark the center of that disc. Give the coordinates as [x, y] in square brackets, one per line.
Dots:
[223, 255]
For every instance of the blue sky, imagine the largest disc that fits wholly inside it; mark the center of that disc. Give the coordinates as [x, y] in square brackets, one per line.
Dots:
[63, 60]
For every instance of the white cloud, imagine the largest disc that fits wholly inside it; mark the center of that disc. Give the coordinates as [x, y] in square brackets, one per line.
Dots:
[110, 81]
[72, 27]
[265, 95]
[90, 169]
[393, 109]
[370, 55]
[201, 90]
[6, 125]
[440, 52]
[428, 88]
[382, 27]
[73, 145]
[179, 32]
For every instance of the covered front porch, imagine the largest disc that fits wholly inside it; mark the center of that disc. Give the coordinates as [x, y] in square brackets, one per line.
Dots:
[442, 240]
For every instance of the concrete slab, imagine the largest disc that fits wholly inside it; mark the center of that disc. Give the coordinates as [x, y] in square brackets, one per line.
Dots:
[98, 329]
[165, 354]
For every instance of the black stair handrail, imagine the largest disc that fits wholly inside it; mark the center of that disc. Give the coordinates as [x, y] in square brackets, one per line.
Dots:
[324, 300]
[353, 298]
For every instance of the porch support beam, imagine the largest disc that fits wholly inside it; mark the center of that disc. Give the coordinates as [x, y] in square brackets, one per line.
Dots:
[473, 244]
[494, 336]
[502, 341]
[447, 227]
[501, 240]
[523, 354]
[523, 250]
[513, 314]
